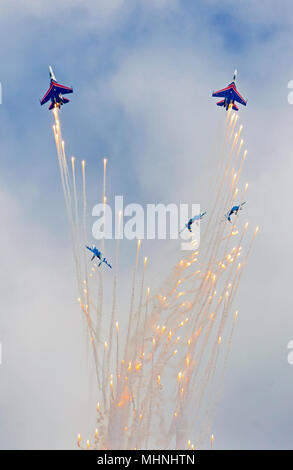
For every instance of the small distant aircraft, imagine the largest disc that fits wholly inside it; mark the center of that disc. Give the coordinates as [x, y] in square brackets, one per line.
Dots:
[230, 95]
[55, 93]
[97, 253]
[196, 218]
[234, 210]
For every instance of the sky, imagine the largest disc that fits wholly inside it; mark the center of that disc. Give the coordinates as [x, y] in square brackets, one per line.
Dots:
[142, 73]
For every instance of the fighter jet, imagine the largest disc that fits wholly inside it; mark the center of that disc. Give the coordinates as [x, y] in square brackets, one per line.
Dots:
[97, 253]
[230, 95]
[234, 210]
[196, 218]
[55, 92]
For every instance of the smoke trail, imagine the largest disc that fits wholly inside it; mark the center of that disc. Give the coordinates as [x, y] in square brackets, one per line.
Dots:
[159, 386]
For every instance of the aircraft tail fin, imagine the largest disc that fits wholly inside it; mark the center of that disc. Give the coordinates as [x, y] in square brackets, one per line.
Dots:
[106, 262]
[235, 107]
[65, 100]
[221, 103]
[52, 105]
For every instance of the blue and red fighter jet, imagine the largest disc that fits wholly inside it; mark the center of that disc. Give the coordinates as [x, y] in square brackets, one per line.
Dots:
[230, 95]
[55, 93]
[97, 253]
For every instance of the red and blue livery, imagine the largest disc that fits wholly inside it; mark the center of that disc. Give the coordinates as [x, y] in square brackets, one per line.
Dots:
[55, 93]
[230, 95]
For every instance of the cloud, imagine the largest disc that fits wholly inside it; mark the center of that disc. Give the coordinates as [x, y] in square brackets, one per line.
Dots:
[100, 14]
[254, 12]
[37, 313]
[142, 96]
